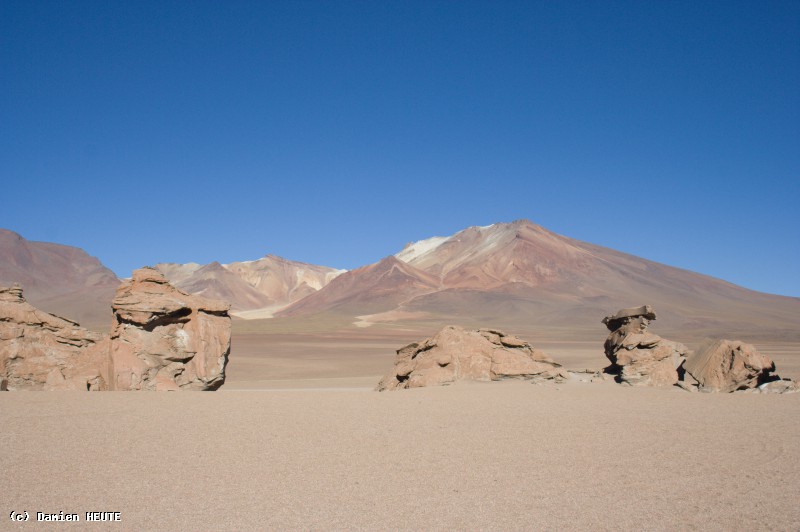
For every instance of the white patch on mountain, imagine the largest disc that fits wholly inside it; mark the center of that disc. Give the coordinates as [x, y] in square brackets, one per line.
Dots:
[415, 250]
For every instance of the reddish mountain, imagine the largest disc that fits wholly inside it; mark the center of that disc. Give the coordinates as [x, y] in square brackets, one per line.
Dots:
[59, 279]
[516, 275]
[522, 275]
[380, 286]
[485, 258]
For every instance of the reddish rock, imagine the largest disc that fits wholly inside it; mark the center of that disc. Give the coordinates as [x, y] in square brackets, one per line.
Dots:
[40, 351]
[165, 339]
[162, 339]
[727, 366]
[455, 354]
[639, 357]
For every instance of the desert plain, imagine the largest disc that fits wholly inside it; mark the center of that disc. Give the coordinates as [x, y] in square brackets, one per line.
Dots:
[297, 438]
[399, 265]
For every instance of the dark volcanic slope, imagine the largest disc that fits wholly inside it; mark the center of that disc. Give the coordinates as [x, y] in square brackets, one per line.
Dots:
[60, 279]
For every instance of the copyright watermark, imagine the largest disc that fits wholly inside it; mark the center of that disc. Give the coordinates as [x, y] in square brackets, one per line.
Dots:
[64, 516]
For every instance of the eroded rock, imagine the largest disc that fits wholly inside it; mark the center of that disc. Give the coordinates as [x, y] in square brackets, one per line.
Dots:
[165, 339]
[639, 357]
[162, 339]
[779, 386]
[728, 366]
[455, 354]
[41, 351]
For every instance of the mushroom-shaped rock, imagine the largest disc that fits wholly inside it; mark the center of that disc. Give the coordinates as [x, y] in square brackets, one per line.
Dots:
[455, 354]
[639, 357]
[727, 366]
[40, 351]
[165, 339]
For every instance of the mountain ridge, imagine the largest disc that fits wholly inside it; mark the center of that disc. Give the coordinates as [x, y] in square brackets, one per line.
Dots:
[520, 272]
[516, 273]
[255, 288]
[61, 279]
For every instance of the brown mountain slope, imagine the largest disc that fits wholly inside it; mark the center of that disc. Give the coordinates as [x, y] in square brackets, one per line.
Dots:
[380, 286]
[59, 279]
[487, 257]
[214, 281]
[283, 280]
[521, 275]
[251, 287]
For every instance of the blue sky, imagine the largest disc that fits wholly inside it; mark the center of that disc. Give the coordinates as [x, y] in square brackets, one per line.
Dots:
[335, 132]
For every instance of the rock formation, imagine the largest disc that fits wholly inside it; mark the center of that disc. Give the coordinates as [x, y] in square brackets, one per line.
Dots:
[40, 351]
[165, 339]
[727, 366]
[162, 339]
[639, 357]
[455, 354]
[777, 386]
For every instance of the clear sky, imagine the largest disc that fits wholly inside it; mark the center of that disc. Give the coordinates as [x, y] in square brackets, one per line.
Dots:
[334, 132]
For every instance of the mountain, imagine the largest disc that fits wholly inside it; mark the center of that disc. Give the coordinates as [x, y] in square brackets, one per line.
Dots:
[59, 279]
[253, 288]
[489, 257]
[215, 281]
[380, 286]
[520, 275]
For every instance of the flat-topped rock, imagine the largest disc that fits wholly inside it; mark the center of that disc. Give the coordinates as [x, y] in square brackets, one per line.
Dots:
[148, 297]
[455, 354]
[639, 357]
[615, 321]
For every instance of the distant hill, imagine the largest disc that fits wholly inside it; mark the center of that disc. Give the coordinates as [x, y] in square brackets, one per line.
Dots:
[254, 288]
[374, 288]
[60, 279]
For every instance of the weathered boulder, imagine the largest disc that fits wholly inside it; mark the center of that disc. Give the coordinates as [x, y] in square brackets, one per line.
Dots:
[727, 366]
[639, 357]
[455, 354]
[165, 339]
[778, 386]
[40, 351]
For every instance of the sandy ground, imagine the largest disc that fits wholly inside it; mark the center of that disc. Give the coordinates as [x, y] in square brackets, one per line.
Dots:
[297, 440]
[267, 360]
